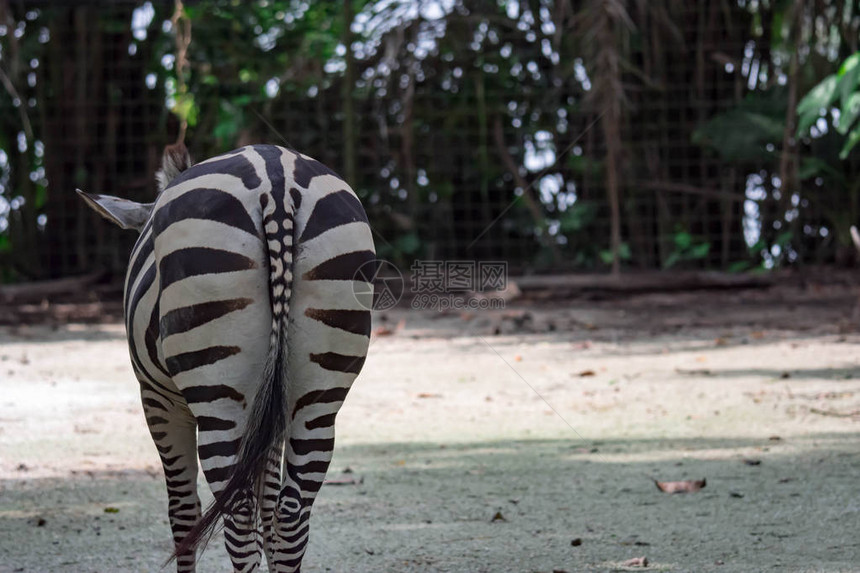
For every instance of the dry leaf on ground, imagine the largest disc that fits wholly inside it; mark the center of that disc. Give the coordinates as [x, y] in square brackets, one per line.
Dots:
[344, 481]
[387, 331]
[835, 414]
[686, 486]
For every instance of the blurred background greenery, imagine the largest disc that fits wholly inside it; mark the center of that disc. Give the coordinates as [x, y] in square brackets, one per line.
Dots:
[558, 135]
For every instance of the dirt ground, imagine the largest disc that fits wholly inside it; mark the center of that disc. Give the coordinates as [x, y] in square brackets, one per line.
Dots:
[524, 440]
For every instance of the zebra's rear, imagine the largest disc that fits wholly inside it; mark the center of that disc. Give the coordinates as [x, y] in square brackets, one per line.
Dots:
[246, 320]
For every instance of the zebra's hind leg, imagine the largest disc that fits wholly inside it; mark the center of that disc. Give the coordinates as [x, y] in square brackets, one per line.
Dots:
[218, 446]
[174, 431]
[271, 489]
[308, 455]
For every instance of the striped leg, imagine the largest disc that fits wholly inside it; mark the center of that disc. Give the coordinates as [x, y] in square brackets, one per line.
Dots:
[308, 455]
[219, 441]
[173, 430]
[271, 489]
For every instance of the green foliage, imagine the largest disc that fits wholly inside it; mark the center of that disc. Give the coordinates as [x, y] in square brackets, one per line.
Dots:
[757, 252]
[401, 250]
[578, 217]
[623, 253]
[408, 244]
[743, 134]
[686, 248]
[844, 87]
[815, 167]
[185, 108]
[443, 97]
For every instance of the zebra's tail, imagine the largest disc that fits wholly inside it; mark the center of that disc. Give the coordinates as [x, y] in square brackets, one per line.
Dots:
[267, 422]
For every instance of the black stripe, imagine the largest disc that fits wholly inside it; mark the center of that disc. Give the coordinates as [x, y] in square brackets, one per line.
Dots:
[305, 447]
[291, 563]
[193, 261]
[339, 362]
[175, 484]
[153, 403]
[329, 396]
[208, 204]
[297, 198]
[334, 210]
[153, 386]
[236, 165]
[235, 528]
[192, 507]
[143, 285]
[181, 528]
[154, 420]
[218, 474]
[198, 394]
[189, 317]
[173, 473]
[309, 485]
[151, 337]
[300, 532]
[306, 169]
[236, 554]
[218, 449]
[138, 259]
[316, 467]
[274, 169]
[340, 268]
[354, 321]
[209, 424]
[325, 421]
[195, 359]
[131, 308]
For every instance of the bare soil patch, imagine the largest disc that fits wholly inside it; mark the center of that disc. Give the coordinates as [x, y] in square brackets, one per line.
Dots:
[527, 439]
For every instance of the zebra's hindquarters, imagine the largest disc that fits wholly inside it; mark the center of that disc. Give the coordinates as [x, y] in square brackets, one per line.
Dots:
[235, 236]
[215, 322]
[328, 338]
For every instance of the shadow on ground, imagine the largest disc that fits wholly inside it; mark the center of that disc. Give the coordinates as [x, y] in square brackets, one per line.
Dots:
[495, 506]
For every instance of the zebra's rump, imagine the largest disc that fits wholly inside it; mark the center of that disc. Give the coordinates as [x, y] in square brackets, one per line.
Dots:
[199, 297]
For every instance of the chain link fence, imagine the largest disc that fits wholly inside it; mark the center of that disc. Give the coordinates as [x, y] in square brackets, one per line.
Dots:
[552, 135]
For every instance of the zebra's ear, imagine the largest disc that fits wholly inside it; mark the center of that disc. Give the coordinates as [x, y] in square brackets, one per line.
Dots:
[127, 214]
[174, 161]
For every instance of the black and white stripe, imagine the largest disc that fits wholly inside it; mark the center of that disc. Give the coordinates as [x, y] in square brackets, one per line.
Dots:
[245, 333]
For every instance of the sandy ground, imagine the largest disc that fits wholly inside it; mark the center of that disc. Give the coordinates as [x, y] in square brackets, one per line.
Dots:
[553, 420]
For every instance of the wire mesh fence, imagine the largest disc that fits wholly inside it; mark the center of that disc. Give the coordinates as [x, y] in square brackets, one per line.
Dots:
[553, 135]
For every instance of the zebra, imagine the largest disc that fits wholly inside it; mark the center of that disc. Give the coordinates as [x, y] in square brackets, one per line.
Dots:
[248, 318]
